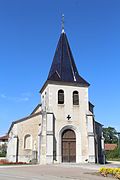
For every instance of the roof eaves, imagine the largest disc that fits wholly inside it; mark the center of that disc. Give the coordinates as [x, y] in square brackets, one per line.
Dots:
[23, 119]
[44, 86]
[60, 82]
[5, 137]
[91, 104]
[35, 108]
[99, 123]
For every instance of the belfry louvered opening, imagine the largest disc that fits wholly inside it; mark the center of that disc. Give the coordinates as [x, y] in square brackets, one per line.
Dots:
[60, 96]
[75, 98]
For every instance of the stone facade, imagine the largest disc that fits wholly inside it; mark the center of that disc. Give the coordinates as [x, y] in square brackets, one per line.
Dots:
[62, 128]
[61, 111]
[17, 150]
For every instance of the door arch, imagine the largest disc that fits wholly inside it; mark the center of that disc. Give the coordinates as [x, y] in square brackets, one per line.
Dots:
[68, 146]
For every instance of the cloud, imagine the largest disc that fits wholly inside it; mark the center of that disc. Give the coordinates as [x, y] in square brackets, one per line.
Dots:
[18, 99]
[3, 96]
[24, 97]
[28, 94]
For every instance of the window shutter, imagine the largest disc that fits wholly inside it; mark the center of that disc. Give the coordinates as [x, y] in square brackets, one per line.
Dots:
[75, 98]
[60, 97]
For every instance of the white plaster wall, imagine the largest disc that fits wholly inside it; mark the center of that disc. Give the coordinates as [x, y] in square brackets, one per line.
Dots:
[77, 113]
[12, 144]
[91, 140]
[49, 122]
[49, 138]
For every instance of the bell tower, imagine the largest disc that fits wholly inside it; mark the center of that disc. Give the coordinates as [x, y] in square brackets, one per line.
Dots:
[65, 107]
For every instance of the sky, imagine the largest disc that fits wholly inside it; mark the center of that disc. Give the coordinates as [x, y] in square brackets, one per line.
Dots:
[29, 33]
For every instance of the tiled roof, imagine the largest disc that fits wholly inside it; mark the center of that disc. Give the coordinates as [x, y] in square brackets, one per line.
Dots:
[4, 138]
[63, 67]
[109, 147]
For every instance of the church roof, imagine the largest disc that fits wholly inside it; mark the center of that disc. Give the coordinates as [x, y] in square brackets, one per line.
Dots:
[63, 67]
[36, 109]
[23, 119]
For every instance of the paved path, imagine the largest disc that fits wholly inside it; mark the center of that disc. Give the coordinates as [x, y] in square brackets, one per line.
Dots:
[93, 166]
[51, 172]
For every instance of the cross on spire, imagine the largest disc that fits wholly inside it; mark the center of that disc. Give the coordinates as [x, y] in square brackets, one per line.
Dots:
[63, 68]
[63, 23]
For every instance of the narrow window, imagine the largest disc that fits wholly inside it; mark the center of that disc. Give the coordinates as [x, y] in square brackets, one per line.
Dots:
[60, 97]
[75, 98]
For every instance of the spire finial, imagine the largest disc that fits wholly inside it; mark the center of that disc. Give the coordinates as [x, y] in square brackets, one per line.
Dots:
[63, 23]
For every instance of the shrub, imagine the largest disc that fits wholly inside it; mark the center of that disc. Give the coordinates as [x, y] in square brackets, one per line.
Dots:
[11, 163]
[2, 154]
[3, 150]
[114, 154]
[112, 171]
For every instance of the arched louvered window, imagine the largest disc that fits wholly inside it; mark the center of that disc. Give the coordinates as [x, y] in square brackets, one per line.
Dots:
[60, 96]
[75, 98]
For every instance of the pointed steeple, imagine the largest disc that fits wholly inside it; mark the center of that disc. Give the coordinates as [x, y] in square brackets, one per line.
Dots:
[63, 67]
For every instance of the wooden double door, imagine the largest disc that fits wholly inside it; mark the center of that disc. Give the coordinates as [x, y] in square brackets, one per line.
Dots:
[68, 146]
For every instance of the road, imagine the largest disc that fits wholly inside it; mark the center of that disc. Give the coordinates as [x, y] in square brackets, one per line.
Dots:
[50, 172]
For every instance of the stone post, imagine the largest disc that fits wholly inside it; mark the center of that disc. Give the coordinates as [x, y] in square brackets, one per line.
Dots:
[50, 133]
[91, 140]
[43, 139]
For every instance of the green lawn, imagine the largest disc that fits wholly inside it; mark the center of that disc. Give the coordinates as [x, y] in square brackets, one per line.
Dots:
[13, 164]
[113, 159]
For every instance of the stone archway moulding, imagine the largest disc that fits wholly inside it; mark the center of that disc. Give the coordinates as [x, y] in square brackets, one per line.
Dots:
[60, 135]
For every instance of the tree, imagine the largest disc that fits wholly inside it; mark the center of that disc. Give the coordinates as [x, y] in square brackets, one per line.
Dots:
[3, 150]
[113, 154]
[110, 135]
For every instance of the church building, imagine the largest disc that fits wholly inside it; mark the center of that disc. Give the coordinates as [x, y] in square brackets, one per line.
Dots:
[62, 128]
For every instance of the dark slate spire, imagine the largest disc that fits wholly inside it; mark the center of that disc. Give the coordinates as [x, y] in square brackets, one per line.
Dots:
[63, 67]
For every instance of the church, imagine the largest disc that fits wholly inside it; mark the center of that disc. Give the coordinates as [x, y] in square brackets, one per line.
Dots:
[62, 128]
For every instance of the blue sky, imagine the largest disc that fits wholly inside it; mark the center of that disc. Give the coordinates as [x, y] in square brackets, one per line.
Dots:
[29, 32]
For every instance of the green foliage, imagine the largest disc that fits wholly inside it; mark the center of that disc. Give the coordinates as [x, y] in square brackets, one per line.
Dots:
[3, 150]
[2, 154]
[110, 135]
[114, 154]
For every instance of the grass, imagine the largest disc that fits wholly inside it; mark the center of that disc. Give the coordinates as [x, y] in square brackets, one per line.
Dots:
[13, 164]
[113, 159]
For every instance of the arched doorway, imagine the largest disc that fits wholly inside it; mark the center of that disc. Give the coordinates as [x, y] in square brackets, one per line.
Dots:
[68, 146]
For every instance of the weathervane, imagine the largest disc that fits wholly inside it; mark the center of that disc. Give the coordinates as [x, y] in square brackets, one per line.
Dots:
[63, 23]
